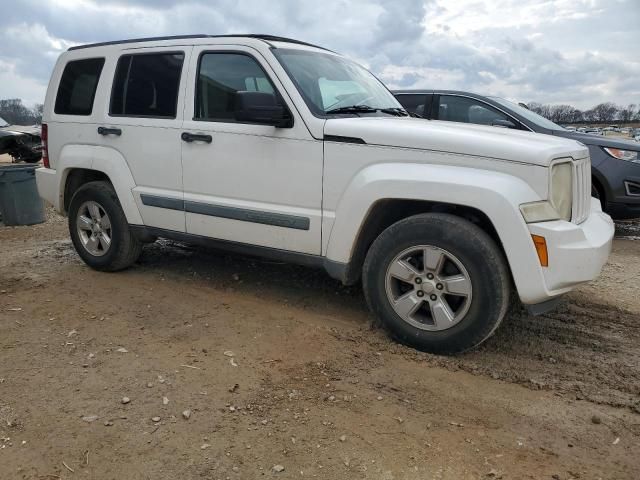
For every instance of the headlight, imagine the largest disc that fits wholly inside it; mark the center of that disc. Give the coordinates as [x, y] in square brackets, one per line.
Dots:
[629, 155]
[561, 193]
[560, 197]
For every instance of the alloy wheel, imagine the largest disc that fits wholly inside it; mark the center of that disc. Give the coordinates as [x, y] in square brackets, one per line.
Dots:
[94, 228]
[428, 287]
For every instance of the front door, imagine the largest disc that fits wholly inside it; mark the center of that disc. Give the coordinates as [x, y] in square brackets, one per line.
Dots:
[244, 182]
[457, 108]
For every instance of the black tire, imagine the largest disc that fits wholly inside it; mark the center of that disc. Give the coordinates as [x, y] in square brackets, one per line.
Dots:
[596, 192]
[477, 252]
[125, 248]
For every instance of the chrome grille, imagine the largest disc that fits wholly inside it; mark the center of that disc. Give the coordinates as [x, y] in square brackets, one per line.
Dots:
[581, 190]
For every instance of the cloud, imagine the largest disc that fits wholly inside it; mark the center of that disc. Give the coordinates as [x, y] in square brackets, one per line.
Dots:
[565, 51]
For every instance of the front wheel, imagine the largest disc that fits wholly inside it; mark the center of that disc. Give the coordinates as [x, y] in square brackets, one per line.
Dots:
[99, 229]
[437, 282]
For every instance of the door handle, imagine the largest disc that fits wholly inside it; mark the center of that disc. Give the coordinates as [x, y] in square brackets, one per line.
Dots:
[196, 137]
[109, 131]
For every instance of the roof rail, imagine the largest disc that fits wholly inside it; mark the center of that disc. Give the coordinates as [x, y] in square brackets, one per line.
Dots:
[265, 38]
[136, 40]
[274, 38]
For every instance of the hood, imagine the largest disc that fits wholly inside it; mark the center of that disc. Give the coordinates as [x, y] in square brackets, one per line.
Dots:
[18, 129]
[461, 138]
[6, 133]
[599, 141]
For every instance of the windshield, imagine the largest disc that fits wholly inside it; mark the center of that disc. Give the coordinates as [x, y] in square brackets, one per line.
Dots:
[528, 114]
[3, 123]
[329, 82]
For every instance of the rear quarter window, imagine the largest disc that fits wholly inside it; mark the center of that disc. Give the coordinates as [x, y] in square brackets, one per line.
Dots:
[77, 89]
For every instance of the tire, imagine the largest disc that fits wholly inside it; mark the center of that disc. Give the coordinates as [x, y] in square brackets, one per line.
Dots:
[596, 193]
[465, 261]
[89, 240]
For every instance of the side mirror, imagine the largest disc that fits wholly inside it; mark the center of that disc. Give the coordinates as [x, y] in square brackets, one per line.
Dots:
[260, 107]
[503, 124]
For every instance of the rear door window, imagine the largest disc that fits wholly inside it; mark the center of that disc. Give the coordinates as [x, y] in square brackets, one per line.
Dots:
[147, 85]
[78, 86]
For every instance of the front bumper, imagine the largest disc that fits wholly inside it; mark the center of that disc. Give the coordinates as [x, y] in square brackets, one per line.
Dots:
[616, 176]
[577, 253]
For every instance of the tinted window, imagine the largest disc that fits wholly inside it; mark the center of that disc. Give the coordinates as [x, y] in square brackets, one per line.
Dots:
[78, 87]
[413, 103]
[220, 77]
[147, 85]
[468, 110]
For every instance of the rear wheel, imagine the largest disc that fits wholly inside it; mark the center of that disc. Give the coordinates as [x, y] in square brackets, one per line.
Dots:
[437, 282]
[99, 228]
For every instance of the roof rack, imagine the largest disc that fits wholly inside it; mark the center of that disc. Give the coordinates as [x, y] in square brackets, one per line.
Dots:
[265, 38]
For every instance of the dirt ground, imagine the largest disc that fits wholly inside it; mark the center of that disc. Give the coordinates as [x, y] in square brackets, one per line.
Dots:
[284, 377]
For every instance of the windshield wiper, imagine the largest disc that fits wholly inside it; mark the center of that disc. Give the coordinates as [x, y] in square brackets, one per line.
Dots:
[397, 111]
[352, 109]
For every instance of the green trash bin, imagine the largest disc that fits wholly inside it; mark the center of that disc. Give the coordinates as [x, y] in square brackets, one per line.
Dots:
[20, 203]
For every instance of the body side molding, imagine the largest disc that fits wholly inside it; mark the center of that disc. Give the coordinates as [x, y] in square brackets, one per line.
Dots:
[233, 213]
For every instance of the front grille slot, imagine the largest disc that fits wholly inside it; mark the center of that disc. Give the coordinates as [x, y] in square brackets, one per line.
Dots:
[581, 190]
[633, 189]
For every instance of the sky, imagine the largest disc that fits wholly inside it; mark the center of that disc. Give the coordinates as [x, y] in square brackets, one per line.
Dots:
[580, 52]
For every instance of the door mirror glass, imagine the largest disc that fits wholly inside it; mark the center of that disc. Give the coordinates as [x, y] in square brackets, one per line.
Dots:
[260, 107]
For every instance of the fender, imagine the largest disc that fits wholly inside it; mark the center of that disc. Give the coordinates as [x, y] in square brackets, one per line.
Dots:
[105, 160]
[497, 195]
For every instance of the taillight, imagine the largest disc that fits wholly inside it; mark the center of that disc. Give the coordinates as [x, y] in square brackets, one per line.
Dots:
[44, 137]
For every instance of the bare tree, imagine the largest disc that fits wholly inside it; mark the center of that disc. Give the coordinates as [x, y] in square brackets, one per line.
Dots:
[38, 110]
[605, 112]
[564, 114]
[628, 113]
[16, 113]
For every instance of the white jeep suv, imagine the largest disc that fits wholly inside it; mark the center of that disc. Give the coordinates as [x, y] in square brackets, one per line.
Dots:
[275, 147]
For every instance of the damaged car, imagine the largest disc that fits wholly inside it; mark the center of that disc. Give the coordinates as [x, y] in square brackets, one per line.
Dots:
[24, 144]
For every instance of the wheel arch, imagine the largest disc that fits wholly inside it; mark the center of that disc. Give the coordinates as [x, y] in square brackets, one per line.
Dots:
[386, 193]
[385, 212]
[80, 164]
[76, 178]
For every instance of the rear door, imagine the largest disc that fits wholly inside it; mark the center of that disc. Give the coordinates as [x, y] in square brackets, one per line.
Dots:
[247, 182]
[142, 122]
